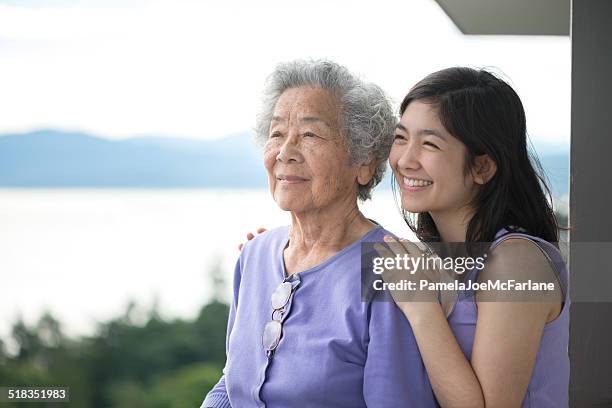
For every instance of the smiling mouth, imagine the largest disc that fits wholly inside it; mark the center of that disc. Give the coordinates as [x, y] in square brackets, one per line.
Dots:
[414, 183]
[291, 179]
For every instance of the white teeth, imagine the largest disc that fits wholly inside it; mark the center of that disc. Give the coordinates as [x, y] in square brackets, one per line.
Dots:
[416, 182]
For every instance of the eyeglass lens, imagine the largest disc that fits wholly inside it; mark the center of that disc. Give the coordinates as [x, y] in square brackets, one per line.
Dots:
[273, 329]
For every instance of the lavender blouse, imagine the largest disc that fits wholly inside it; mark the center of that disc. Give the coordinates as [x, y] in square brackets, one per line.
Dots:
[336, 350]
[549, 384]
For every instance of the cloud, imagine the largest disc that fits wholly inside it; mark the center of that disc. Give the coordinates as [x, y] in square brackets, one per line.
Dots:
[195, 69]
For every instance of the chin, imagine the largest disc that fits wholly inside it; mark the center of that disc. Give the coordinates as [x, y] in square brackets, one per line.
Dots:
[415, 207]
[292, 204]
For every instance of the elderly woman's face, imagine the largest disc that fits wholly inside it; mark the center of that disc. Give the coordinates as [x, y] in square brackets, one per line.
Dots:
[305, 154]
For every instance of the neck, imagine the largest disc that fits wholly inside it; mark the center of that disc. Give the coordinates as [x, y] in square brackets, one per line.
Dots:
[452, 226]
[331, 228]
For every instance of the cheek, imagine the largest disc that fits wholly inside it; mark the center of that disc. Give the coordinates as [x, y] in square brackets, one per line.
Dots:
[449, 175]
[394, 156]
[330, 171]
[456, 170]
[269, 157]
[444, 169]
[320, 163]
[269, 160]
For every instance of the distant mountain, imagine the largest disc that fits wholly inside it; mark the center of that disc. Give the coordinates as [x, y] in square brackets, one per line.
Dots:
[49, 158]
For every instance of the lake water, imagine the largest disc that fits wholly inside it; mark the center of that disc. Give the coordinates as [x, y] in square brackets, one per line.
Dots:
[84, 254]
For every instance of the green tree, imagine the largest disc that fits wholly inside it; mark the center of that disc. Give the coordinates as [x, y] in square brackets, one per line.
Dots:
[131, 361]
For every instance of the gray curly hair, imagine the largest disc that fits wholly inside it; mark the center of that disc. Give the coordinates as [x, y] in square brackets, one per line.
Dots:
[366, 113]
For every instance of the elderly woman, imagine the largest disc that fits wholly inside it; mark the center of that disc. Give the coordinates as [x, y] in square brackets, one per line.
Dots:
[299, 334]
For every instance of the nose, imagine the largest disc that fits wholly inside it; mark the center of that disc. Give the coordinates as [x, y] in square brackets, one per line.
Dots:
[289, 151]
[409, 158]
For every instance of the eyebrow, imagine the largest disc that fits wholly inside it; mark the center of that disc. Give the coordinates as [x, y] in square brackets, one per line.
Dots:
[422, 132]
[431, 132]
[307, 119]
[311, 119]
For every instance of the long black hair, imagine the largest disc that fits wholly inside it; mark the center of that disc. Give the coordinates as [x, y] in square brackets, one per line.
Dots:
[487, 116]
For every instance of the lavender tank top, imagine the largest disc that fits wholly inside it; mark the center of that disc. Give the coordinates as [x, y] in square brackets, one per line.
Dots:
[549, 384]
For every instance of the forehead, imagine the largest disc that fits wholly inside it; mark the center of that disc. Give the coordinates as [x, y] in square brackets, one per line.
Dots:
[314, 102]
[422, 118]
[418, 113]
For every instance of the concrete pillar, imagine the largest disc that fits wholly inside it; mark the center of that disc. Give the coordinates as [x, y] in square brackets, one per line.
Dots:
[591, 204]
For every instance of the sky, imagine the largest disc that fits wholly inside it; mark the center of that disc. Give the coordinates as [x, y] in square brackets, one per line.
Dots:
[195, 69]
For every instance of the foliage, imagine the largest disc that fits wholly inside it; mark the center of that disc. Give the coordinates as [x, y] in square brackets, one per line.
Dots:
[156, 364]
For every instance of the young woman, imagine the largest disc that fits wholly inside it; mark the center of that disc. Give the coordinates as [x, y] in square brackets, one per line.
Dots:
[461, 161]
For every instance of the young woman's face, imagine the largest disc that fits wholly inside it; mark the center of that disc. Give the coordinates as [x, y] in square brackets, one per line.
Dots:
[429, 163]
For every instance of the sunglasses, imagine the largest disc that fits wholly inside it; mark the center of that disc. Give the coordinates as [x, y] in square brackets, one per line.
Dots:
[273, 330]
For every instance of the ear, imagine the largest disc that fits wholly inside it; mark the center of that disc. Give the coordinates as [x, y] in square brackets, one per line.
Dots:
[365, 172]
[484, 169]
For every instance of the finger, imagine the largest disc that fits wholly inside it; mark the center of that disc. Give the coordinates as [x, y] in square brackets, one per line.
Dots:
[261, 230]
[422, 246]
[403, 246]
[382, 250]
[250, 236]
[389, 238]
[393, 274]
[394, 246]
[412, 248]
[240, 247]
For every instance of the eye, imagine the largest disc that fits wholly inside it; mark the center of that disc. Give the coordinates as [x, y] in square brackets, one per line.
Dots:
[275, 134]
[309, 134]
[431, 144]
[399, 138]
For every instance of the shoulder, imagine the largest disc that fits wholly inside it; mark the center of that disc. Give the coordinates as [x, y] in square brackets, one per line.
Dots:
[521, 263]
[517, 256]
[263, 250]
[377, 234]
[364, 248]
[274, 238]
